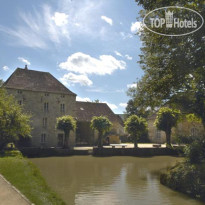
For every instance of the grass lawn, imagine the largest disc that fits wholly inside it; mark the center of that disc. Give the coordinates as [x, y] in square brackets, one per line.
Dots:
[26, 177]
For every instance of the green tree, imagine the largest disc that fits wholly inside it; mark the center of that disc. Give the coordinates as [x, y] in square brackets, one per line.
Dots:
[1, 82]
[13, 122]
[66, 124]
[166, 119]
[136, 127]
[172, 75]
[102, 124]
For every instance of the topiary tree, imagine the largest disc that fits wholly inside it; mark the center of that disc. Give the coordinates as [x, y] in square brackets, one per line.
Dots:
[66, 124]
[13, 122]
[167, 118]
[136, 127]
[102, 124]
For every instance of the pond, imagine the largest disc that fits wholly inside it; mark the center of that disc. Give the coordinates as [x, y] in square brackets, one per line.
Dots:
[110, 180]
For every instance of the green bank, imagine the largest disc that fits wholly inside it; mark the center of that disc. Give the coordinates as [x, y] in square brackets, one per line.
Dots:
[26, 177]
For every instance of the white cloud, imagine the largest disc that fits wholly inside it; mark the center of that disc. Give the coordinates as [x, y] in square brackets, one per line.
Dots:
[45, 27]
[24, 60]
[112, 106]
[38, 28]
[107, 20]
[123, 105]
[71, 78]
[60, 19]
[136, 26]
[85, 64]
[125, 35]
[5, 68]
[134, 85]
[83, 99]
[128, 57]
[118, 54]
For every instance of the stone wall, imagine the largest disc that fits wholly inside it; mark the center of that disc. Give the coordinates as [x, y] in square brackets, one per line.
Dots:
[43, 120]
[183, 128]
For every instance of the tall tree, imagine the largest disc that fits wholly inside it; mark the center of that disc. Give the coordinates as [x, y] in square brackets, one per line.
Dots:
[13, 122]
[102, 124]
[174, 67]
[66, 124]
[167, 119]
[136, 127]
[1, 82]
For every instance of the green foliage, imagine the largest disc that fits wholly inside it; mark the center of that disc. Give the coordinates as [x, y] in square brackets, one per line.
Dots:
[186, 178]
[1, 82]
[26, 177]
[66, 124]
[102, 124]
[166, 119]
[13, 122]
[193, 118]
[136, 127]
[182, 139]
[195, 152]
[172, 75]
[133, 108]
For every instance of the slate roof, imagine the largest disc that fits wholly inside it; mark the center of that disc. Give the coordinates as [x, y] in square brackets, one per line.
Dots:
[86, 110]
[26, 79]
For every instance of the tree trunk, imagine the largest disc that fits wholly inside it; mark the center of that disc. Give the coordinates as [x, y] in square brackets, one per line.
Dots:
[100, 140]
[135, 143]
[168, 137]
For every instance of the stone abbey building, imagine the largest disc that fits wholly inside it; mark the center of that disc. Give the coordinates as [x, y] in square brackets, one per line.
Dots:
[45, 98]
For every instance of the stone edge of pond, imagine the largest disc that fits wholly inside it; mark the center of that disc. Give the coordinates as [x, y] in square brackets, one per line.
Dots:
[141, 152]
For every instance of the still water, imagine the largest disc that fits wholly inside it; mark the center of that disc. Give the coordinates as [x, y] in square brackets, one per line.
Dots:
[87, 180]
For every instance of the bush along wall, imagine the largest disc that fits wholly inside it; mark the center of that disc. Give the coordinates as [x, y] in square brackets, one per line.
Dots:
[189, 176]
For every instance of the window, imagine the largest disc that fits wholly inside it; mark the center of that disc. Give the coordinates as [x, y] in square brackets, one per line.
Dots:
[19, 91]
[45, 122]
[62, 107]
[43, 138]
[194, 132]
[46, 106]
[158, 134]
[20, 102]
[62, 96]
[46, 94]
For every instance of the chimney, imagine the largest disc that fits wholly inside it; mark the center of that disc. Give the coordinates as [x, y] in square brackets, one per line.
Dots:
[26, 68]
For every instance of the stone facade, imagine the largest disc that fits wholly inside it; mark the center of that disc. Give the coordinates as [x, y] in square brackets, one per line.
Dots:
[84, 113]
[183, 128]
[44, 108]
[46, 99]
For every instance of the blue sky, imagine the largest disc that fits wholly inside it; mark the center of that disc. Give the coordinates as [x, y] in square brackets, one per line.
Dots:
[88, 45]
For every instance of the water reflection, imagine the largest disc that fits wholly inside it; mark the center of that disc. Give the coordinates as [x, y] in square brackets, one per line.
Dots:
[113, 180]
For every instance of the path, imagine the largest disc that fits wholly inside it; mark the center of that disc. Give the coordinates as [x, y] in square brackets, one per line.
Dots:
[129, 145]
[9, 195]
